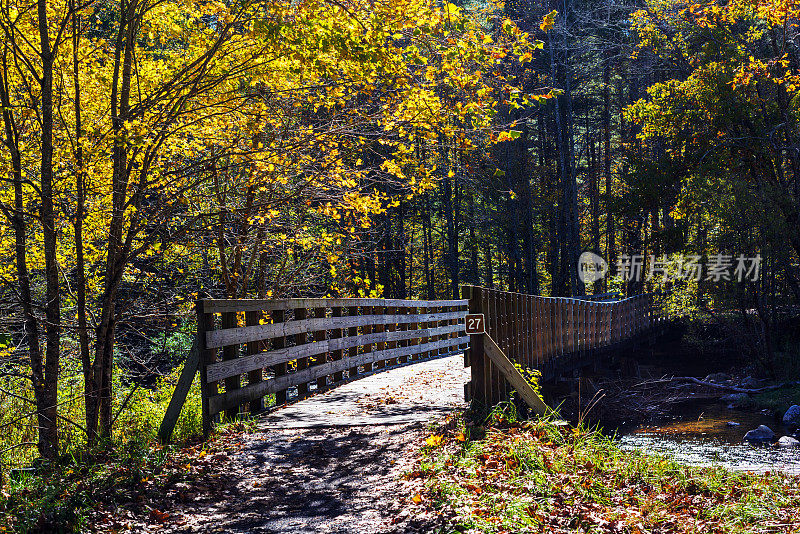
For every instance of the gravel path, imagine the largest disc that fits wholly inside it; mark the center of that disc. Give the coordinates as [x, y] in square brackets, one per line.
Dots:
[328, 464]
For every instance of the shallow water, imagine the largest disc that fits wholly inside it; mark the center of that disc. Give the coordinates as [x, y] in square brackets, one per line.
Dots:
[700, 435]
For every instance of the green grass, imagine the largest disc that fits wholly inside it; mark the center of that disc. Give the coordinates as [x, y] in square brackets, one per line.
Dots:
[787, 361]
[102, 489]
[778, 400]
[534, 477]
[136, 419]
[60, 496]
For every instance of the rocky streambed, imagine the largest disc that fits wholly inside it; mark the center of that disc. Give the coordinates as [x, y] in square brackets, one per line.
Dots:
[710, 433]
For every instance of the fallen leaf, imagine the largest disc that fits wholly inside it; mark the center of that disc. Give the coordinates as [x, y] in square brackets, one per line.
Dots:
[158, 515]
[434, 441]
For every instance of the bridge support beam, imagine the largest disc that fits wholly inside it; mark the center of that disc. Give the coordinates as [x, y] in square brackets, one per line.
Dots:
[513, 375]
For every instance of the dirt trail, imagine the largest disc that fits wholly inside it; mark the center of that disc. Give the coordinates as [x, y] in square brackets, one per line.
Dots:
[329, 464]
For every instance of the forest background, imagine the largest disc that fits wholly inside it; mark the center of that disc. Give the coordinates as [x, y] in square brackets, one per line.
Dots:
[155, 152]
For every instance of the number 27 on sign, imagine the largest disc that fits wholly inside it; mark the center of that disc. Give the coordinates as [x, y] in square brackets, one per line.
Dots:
[475, 324]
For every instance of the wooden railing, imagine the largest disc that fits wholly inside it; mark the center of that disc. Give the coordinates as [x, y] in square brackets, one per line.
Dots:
[550, 334]
[246, 350]
[290, 347]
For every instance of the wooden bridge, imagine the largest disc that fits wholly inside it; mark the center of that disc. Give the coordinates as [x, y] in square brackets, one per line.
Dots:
[252, 352]
[554, 335]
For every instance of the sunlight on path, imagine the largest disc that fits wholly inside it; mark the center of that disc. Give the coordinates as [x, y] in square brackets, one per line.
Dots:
[407, 394]
[332, 463]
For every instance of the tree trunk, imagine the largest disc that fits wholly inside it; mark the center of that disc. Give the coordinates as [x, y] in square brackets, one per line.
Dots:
[473, 241]
[570, 234]
[17, 220]
[89, 384]
[47, 218]
[489, 274]
[611, 251]
[116, 257]
[427, 248]
[594, 197]
[451, 253]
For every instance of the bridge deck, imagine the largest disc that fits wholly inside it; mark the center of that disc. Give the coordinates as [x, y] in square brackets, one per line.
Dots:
[417, 392]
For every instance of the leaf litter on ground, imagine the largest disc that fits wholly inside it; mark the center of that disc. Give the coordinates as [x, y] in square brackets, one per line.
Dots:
[508, 477]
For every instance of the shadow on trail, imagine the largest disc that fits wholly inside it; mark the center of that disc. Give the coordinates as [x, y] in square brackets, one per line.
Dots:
[332, 463]
[308, 480]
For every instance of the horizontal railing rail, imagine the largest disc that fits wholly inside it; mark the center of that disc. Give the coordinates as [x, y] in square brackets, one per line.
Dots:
[289, 348]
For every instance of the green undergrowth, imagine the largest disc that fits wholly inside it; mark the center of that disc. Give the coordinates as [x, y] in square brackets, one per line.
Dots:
[104, 488]
[505, 476]
[59, 496]
[786, 367]
[62, 496]
[138, 412]
[777, 401]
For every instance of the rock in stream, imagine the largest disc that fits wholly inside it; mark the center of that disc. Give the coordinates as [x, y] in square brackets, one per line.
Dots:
[792, 416]
[762, 434]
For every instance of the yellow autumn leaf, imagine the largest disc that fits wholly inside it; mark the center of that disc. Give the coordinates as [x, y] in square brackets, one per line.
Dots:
[548, 21]
[434, 440]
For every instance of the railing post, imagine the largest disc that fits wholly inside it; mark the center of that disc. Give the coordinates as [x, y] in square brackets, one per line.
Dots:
[626, 323]
[205, 323]
[598, 329]
[352, 352]
[638, 312]
[492, 308]
[578, 329]
[366, 330]
[516, 316]
[559, 327]
[570, 347]
[231, 352]
[452, 322]
[554, 332]
[301, 314]
[379, 328]
[253, 377]
[573, 325]
[475, 355]
[279, 316]
[529, 332]
[548, 333]
[522, 332]
[642, 313]
[319, 335]
[601, 324]
[337, 333]
[426, 326]
[629, 309]
[391, 311]
[587, 329]
[412, 326]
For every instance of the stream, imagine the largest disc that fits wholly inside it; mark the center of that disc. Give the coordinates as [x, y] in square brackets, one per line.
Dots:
[699, 434]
